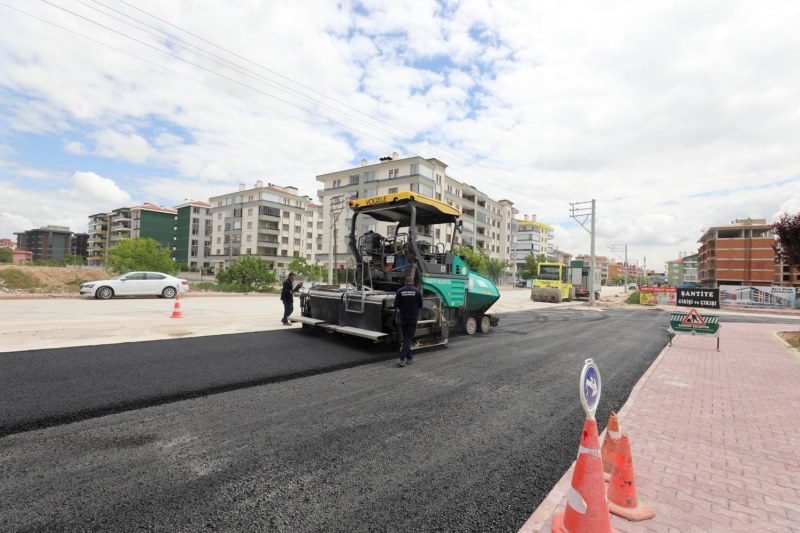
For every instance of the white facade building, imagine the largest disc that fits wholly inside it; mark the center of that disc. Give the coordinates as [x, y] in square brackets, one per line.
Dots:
[274, 223]
[487, 223]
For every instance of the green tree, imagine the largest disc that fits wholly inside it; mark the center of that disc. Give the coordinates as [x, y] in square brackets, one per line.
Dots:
[496, 268]
[249, 272]
[5, 255]
[299, 266]
[73, 260]
[140, 254]
[475, 259]
[528, 270]
[787, 239]
[310, 271]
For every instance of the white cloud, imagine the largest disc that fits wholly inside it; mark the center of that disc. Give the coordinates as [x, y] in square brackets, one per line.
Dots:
[92, 189]
[130, 147]
[74, 147]
[15, 223]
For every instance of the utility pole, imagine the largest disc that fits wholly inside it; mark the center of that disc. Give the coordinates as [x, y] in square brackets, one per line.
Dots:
[582, 214]
[619, 248]
[336, 208]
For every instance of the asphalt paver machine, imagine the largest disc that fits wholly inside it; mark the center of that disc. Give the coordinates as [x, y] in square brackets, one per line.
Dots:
[454, 296]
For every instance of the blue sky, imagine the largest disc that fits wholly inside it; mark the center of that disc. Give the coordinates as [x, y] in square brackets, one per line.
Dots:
[674, 116]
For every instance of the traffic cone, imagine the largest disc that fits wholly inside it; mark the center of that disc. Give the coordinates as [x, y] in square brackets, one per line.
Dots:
[610, 445]
[622, 498]
[176, 311]
[587, 510]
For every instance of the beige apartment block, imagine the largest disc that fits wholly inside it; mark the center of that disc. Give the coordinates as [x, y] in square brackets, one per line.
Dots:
[105, 231]
[486, 222]
[271, 222]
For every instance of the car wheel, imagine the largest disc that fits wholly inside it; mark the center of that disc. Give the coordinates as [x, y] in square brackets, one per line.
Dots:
[104, 293]
[485, 324]
[169, 292]
[471, 326]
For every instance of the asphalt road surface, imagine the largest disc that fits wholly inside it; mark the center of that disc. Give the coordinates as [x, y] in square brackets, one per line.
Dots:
[286, 431]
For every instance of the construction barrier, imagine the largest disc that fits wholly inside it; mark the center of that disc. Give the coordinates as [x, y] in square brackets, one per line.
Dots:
[622, 498]
[176, 311]
[610, 441]
[587, 510]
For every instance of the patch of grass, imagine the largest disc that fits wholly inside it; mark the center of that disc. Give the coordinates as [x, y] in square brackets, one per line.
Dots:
[791, 337]
[633, 298]
[18, 280]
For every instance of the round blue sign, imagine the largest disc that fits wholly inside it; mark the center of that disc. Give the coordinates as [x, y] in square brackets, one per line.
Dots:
[590, 388]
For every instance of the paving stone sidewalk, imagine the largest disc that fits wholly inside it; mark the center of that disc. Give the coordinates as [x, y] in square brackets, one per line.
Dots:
[715, 436]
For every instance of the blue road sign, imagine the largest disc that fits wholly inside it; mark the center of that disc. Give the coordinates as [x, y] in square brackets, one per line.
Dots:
[590, 388]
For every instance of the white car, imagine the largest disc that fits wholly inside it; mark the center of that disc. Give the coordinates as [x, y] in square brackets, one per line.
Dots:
[136, 284]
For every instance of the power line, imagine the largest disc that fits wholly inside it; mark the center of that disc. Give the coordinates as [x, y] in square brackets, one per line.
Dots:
[233, 80]
[458, 157]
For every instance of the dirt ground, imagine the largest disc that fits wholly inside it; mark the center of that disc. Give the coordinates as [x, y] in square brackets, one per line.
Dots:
[51, 279]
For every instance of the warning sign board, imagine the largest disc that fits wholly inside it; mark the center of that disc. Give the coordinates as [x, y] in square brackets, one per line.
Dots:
[693, 319]
[693, 322]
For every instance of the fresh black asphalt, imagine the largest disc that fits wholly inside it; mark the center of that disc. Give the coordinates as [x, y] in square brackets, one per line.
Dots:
[469, 438]
[42, 388]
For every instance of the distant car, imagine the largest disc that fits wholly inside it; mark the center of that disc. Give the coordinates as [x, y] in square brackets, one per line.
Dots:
[136, 284]
[632, 286]
[521, 283]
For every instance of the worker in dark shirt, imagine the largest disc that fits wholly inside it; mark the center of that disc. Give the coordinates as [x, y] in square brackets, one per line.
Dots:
[408, 302]
[288, 299]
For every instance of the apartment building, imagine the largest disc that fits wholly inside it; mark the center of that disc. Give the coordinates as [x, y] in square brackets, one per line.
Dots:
[486, 222]
[148, 220]
[683, 270]
[46, 243]
[193, 234]
[274, 223]
[630, 271]
[79, 245]
[532, 237]
[742, 253]
[739, 253]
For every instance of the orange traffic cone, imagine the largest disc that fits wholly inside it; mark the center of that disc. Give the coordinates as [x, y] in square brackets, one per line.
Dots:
[622, 498]
[176, 311]
[610, 444]
[587, 510]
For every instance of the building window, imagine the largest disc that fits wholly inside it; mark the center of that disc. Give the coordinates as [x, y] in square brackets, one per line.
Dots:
[354, 179]
[219, 215]
[250, 225]
[369, 176]
[270, 211]
[250, 211]
[284, 240]
[337, 183]
[249, 238]
[393, 190]
[285, 227]
[297, 242]
[286, 214]
[298, 216]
